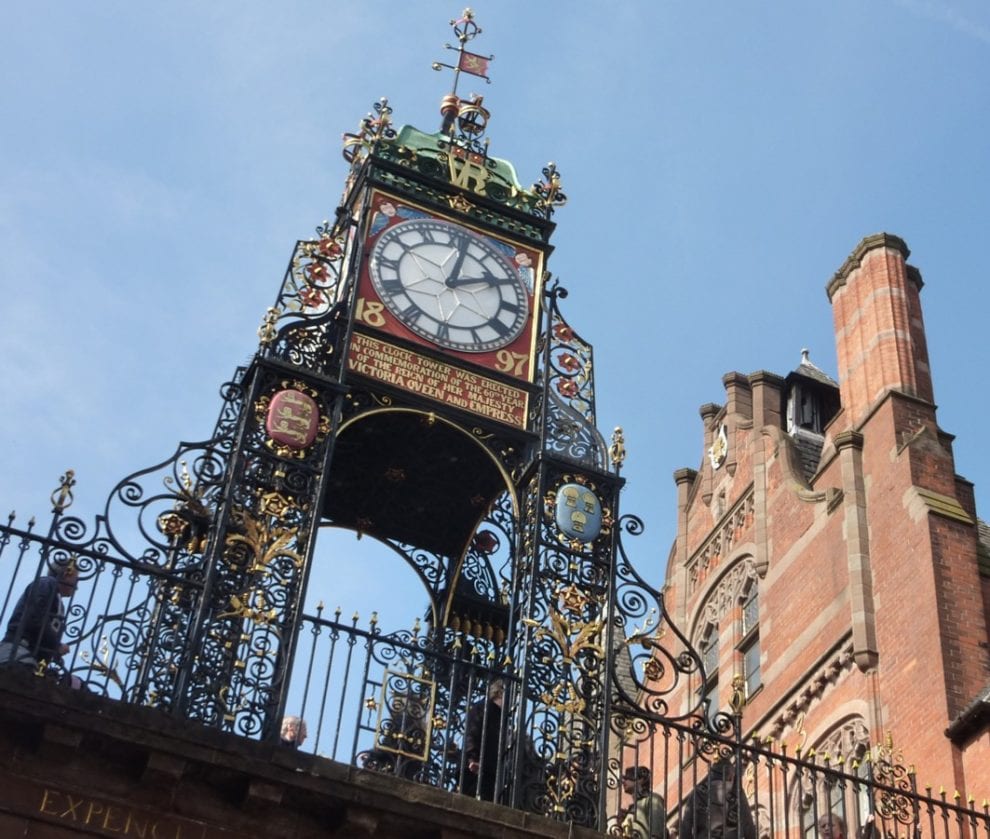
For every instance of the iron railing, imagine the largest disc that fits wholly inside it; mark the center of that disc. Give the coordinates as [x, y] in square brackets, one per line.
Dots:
[416, 704]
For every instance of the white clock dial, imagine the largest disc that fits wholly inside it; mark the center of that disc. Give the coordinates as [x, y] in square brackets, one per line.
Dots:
[449, 285]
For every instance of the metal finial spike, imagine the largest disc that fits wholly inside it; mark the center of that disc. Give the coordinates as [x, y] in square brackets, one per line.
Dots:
[62, 497]
[184, 477]
[617, 451]
[548, 190]
[267, 331]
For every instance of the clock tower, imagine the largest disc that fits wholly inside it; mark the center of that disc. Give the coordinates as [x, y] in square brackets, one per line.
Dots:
[415, 382]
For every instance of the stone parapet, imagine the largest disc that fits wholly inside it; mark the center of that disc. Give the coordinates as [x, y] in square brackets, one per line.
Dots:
[80, 764]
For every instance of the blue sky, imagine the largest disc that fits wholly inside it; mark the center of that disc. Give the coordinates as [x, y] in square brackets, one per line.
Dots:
[158, 161]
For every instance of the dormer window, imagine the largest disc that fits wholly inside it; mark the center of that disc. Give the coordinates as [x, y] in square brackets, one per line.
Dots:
[812, 401]
[812, 398]
[804, 410]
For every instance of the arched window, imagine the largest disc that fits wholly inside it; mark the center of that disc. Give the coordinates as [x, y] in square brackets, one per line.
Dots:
[735, 595]
[823, 791]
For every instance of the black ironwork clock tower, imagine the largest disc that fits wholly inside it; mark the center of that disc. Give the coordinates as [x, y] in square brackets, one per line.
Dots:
[415, 381]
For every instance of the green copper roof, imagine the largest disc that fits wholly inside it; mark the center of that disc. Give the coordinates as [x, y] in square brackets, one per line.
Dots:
[413, 138]
[428, 154]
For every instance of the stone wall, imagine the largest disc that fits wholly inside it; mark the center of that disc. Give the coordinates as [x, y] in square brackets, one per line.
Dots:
[77, 764]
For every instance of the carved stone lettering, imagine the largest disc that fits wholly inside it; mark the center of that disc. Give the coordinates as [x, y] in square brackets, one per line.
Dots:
[106, 818]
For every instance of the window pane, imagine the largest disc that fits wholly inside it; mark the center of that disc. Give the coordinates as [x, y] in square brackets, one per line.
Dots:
[864, 801]
[751, 611]
[711, 694]
[709, 656]
[709, 659]
[751, 665]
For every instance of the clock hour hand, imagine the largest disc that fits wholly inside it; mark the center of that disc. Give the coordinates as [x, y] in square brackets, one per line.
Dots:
[455, 270]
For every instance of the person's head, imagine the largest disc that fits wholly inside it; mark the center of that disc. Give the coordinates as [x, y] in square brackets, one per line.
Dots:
[67, 576]
[831, 826]
[635, 779]
[496, 692]
[722, 770]
[293, 730]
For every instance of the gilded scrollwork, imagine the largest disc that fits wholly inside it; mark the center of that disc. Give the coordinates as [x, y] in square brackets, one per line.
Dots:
[571, 637]
[895, 781]
[263, 538]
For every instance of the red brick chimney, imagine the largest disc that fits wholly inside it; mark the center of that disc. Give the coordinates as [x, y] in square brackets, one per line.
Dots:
[879, 332]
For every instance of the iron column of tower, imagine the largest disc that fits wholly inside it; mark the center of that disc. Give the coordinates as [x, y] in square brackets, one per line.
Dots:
[568, 561]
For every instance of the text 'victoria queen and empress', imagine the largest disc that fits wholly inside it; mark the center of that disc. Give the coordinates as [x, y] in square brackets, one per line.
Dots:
[450, 385]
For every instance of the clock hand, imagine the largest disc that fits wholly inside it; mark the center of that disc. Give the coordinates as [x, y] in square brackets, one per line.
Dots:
[486, 278]
[455, 272]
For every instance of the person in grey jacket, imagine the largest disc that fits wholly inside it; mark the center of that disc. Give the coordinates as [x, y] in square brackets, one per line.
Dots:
[34, 631]
[646, 815]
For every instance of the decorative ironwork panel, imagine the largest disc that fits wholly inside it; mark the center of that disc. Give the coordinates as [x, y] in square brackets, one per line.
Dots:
[563, 594]
[566, 414]
[306, 326]
[256, 556]
[405, 715]
[651, 657]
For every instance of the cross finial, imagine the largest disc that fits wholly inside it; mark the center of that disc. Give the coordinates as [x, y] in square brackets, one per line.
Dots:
[464, 27]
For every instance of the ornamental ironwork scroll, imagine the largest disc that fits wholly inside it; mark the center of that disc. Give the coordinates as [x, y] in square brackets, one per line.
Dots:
[567, 414]
[306, 325]
[143, 562]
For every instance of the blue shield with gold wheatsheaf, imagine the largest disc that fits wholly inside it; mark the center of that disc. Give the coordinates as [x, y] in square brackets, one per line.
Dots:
[578, 513]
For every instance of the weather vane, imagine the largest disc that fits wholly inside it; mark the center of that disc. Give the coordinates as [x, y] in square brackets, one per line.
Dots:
[472, 115]
[467, 62]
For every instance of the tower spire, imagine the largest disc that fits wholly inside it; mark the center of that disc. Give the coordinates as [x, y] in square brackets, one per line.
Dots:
[471, 63]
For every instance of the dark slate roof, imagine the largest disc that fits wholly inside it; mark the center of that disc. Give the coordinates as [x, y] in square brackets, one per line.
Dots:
[809, 449]
[812, 371]
[974, 719]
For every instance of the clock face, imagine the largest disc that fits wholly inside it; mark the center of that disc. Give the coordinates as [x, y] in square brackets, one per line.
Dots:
[449, 285]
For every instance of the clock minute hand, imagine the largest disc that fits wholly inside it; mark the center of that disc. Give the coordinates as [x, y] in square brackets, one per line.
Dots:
[455, 271]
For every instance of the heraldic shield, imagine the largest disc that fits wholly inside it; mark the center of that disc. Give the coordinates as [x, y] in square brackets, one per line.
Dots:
[578, 512]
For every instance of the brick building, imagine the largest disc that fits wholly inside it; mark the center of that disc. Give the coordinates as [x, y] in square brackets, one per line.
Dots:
[828, 552]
